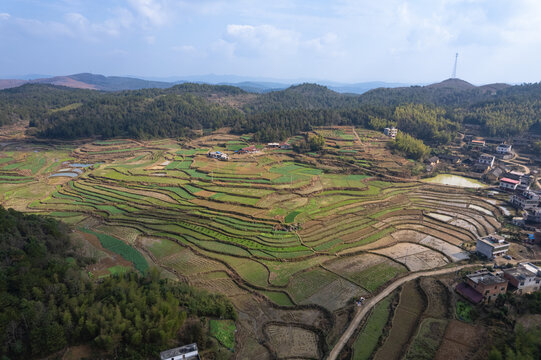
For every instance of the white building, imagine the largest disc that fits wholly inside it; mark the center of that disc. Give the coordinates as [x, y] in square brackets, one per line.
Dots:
[503, 149]
[491, 246]
[218, 155]
[508, 184]
[525, 278]
[186, 352]
[391, 132]
[486, 159]
[526, 200]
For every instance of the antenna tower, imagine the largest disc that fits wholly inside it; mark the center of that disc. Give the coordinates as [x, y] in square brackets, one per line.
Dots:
[453, 76]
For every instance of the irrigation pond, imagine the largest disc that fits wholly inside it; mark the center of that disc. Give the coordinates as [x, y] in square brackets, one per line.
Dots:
[455, 180]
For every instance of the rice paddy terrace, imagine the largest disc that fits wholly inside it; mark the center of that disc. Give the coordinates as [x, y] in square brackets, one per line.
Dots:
[290, 239]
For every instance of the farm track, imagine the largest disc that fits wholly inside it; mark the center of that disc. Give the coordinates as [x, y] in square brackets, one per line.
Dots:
[371, 302]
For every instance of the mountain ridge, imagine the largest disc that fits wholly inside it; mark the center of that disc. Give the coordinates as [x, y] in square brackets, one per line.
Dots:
[120, 83]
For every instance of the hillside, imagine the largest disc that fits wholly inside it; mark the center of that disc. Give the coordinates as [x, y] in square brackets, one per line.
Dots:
[454, 84]
[50, 302]
[178, 111]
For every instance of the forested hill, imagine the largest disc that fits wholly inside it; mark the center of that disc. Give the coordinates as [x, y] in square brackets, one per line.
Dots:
[58, 112]
[47, 302]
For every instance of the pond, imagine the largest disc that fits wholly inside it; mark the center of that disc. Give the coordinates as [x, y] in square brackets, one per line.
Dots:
[66, 174]
[454, 180]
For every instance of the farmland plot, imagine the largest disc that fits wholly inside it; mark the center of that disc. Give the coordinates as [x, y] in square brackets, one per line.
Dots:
[293, 342]
[453, 252]
[290, 238]
[414, 257]
[404, 322]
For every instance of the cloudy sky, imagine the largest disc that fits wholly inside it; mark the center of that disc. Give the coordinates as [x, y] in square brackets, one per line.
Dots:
[412, 41]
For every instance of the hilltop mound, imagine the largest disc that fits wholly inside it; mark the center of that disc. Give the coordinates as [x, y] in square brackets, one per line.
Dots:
[455, 84]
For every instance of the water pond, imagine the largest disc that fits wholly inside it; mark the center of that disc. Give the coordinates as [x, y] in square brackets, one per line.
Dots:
[454, 180]
[66, 174]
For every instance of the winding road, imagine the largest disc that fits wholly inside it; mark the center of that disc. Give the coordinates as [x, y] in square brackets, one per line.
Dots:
[370, 303]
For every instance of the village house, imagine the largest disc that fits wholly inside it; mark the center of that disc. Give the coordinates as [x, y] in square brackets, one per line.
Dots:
[491, 246]
[486, 159]
[391, 132]
[273, 145]
[525, 200]
[186, 352]
[248, 150]
[524, 279]
[525, 180]
[487, 284]
[518, 221]
[504, 149]
[285, 146]
[493, 175]
[508, 184]
[433, 161]
[482, 286]
[477, 144]
[481, 168]
[533, 215]
[218, 155]
[453, 159]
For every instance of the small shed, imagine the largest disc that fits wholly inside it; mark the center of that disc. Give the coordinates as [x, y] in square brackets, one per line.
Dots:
[186, 352]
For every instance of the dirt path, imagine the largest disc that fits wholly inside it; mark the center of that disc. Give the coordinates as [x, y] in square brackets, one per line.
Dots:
[525, 167]
[370, 303]
[356, 135]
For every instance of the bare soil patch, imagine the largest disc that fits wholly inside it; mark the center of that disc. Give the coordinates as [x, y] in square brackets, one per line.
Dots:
[292, 342]
[460, 340]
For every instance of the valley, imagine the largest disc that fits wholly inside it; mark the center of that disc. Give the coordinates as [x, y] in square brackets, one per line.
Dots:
[293, 240]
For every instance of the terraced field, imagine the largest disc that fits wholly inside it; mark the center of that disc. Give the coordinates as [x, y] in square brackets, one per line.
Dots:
[291, 239]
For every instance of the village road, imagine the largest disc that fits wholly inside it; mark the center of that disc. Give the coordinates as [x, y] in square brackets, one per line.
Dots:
[371, 302]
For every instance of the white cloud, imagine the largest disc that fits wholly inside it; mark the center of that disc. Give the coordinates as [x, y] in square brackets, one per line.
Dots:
[149, 39]
[155, 12]
[223, 49]
[251, 40]
[4, 16]
[184, 48]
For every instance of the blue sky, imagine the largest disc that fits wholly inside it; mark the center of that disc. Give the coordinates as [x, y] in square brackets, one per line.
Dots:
[347, 41]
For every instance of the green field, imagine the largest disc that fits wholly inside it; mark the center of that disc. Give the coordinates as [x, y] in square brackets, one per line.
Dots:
[224, 331]
[372, 278]
[119, 247]
[428, 340]
[464, 311]
[368, 338]
[260, 229]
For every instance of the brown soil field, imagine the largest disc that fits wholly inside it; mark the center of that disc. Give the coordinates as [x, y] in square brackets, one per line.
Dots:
[189, 263]
[530, 320]
[414, 257]
[408, 235]
[336, 295]
[353, 264]
[459, 341]
[437, 296]
[404, 323]
[293, 342]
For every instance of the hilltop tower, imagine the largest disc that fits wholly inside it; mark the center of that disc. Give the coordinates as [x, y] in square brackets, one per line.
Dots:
[453, 75]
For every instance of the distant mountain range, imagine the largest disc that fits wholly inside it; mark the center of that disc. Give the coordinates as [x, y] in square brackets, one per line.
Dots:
[119, 83]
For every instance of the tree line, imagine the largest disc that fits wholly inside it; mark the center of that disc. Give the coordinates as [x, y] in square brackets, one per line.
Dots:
[47, 302]
[429, 114]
